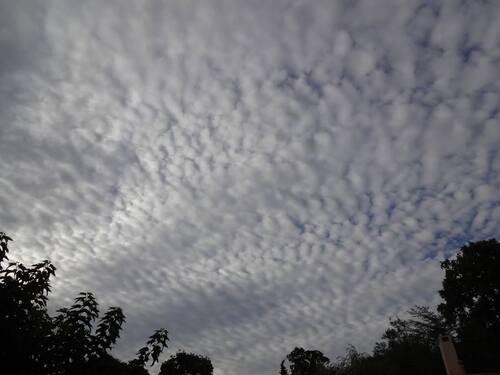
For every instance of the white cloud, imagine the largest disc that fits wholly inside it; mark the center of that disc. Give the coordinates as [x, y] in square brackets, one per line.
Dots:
[251, 175]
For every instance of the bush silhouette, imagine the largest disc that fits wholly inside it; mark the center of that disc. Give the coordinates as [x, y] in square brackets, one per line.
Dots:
[71, 342]
[187, 364]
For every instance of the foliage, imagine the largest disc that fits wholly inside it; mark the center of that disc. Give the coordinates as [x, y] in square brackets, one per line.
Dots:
[187, 364]
[470, 310]
[421, 330]
[406, 347]
[69, 342]
[77, 339]
[471, 287]
[471, 301]
[24, 322]
[157, 341]
[410, 346]
[283, 370]
[352, 363]
[305, 362]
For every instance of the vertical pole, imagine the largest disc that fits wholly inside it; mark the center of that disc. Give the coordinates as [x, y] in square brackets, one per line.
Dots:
[450, 358]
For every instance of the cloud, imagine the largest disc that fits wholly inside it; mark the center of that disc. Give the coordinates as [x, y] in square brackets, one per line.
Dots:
[253, 176]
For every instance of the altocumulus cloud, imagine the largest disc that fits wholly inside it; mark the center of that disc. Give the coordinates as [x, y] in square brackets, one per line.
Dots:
[253, 175]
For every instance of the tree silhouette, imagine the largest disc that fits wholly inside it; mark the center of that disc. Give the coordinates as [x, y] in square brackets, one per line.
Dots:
[471, 306]
[470, 311]
[471, 288]
[305, 362]
[32, 342]
[183, 363]
[355, 363]
[283, 370]
[154, 346]
[410, 346]
[24, 322]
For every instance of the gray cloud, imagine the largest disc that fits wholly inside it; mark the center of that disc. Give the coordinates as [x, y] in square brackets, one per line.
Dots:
[251, 175]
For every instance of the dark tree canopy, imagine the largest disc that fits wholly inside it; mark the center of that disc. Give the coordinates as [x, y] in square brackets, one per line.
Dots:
[75, 341]
[470, 311]
[410, 346]
[421, 329]
[305, 362]
[406, 347]
[471, 301]
[183, 363]
[471, 288]
[354, 363]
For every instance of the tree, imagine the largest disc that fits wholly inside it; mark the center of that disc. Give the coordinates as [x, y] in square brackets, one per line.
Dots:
[183, 363]
[471, 287]
[305, 362]
[470, 310]
[283, 370]
[32, 342]
[354, 363]
[471, 301]
[423, 328]
[406, 347]
[24, 322]
[154, 347]
[410, 346]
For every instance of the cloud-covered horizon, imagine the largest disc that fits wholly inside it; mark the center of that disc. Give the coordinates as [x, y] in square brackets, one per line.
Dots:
[251, 175]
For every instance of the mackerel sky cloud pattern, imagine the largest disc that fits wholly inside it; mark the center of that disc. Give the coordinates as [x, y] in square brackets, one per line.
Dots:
[252, 175]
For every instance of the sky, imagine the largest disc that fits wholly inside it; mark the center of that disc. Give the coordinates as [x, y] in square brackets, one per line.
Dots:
[251, 175]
